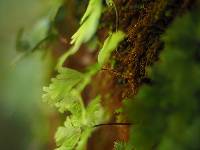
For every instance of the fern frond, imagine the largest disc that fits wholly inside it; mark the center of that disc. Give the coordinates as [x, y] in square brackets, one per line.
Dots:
[89, 24]
[78, 129]
[65, 93]
[109, 46]
[62, 91]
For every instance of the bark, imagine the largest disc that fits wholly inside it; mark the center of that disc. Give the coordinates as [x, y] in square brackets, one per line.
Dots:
[144, 21]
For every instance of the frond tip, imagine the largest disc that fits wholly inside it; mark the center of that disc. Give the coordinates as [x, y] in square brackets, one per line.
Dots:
[109, 46]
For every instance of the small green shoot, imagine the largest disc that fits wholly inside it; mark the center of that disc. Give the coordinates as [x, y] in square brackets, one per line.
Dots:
[109, 46]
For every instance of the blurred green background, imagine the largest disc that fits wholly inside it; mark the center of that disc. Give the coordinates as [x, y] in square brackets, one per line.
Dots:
[23, 116]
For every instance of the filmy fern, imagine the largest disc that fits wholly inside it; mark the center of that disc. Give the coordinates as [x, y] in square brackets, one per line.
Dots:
[78, 127]
[64, 92]
[109, 46]
[89, 23]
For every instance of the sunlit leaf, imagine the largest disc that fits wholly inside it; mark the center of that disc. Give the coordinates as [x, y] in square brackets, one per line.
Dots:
[68, 136]
[109, 46]
[60, 92]
[89, 24]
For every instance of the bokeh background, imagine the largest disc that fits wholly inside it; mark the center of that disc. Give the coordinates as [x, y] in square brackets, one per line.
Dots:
[24, 119]
[26, 123]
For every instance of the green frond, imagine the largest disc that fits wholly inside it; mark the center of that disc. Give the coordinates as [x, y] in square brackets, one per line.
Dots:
[109, 46]
[89, 23]
[61, 92]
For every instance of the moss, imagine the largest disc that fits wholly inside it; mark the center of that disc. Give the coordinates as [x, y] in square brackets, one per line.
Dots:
[144, 22]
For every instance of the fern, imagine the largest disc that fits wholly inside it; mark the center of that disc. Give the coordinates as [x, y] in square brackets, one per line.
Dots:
[109, 46]
[89, 23]
[78, 127]
[65, 94]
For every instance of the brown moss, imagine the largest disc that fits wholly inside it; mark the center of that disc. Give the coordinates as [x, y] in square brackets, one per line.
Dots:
[144, 21]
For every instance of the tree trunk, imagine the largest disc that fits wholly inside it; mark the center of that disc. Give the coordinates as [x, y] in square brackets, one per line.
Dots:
[144, 21]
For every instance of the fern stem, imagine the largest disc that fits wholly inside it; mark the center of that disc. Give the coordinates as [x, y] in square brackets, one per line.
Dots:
[116, 16]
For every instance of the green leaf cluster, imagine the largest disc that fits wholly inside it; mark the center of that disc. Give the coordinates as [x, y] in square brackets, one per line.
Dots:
[89, 23]
[65, 94]
[65, 90]
[77, 129]
[166, 113]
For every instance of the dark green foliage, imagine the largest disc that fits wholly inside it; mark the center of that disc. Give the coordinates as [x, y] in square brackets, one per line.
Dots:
[166, 114]
[122, 146]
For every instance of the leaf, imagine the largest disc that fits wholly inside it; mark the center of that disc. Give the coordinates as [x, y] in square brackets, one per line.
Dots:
[68, 136]
[109, 46]
[95, 112]
[61, 91]
[77, 129]
[31, 40]
[94, 115]
[89, 24]
[65, 93]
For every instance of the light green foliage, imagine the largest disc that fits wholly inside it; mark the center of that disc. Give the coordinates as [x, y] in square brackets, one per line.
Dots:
[166, 115]
[122, 146]
[30, 40]
[65, 90]
[65, 93]
[109, 46]
[77, 129]
[89, 24]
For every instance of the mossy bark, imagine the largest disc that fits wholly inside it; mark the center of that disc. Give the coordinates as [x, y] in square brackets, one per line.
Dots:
[144, 22]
